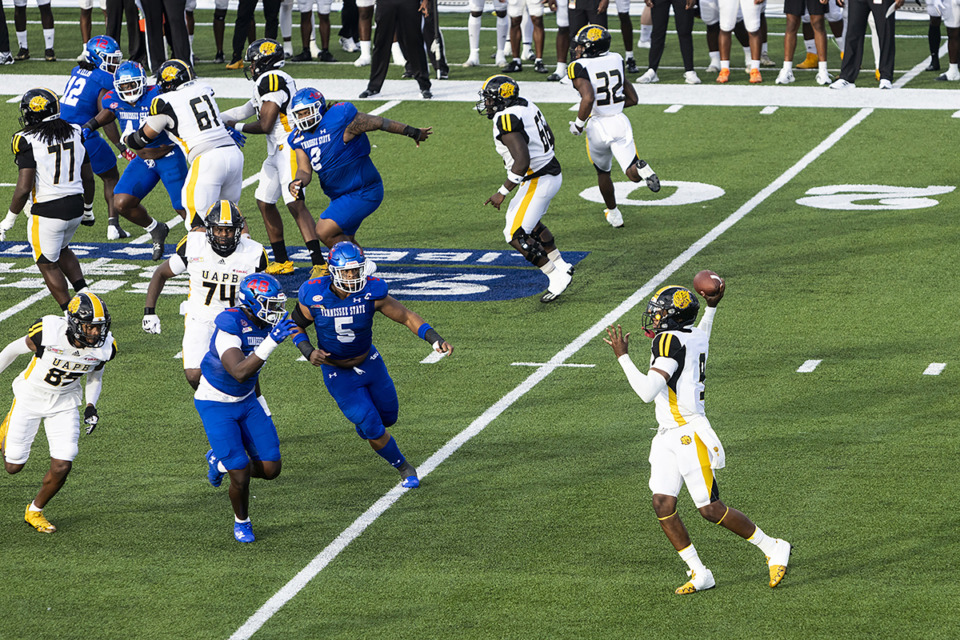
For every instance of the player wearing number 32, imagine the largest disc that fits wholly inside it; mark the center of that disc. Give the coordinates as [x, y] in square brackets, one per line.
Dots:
[63, 351]
[243, 438]
[524, 140]
[686, 450]
[341, 307]
[187, 111]
[216, 257]
[597, 73]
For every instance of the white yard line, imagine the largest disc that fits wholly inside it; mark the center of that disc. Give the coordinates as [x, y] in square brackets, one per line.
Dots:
[23, 304]
[289, 590]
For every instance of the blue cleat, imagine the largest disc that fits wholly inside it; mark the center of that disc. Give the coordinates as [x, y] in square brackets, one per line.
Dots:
[243, 531]
[411, 482]
[214, 475]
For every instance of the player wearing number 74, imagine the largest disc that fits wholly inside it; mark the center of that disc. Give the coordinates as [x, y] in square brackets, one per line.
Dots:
[216, 258]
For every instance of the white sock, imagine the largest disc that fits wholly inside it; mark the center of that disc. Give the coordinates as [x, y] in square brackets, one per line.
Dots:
[190, 38]
[724, 64]
[561, 68]
[547, 268]
[754, 64]
[473, 34]
[239, 521]
[810, 46]
[503, 30]
[689, 555]
[715, 58]
[822, 66]
[558, 260]
[286, 21]
[763, 541]
[645, 31]
[220, 467]
[396, 52]
[150, 227]
[33, 507]
[616, 210]
[954, 68]
[788, 65]
[48, 38]
[630, 55]
[22, 39]
[364, 48]
[746, 53]
[763, 48]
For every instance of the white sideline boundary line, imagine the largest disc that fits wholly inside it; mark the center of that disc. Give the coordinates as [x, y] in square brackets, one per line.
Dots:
[315, 566]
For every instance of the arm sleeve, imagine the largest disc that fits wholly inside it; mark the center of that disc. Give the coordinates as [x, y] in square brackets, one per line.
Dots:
[16, 348]
[226, 341]
[706, 322]
[94, 385]
[242, 112]
[648, 385]
[159, 122]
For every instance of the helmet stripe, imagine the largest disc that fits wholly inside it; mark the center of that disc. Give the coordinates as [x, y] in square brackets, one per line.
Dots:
[97, 306]
[226, 215]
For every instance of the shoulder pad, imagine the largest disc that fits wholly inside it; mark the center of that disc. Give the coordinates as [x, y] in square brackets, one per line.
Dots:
[666, 345]
[16, 143]
[157, 106]
[36, 328]
[509, 123]
[228, 320]
[270, 82]
[377, 288]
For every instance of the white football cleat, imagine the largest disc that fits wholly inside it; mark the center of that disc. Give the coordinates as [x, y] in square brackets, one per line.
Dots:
[765, 61]
[785, 77]
[697, 582]
[824, 78]
[840, 83]
[615, 219]
[691, 77]
[648, 78]
[886, 84]
[950, 76]
[501, 61]
[472, 61]
[559, 281]
[778, 562]
[362, 61]
[713, 68]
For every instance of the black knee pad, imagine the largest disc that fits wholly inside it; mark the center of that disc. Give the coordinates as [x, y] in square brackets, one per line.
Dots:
[220, 15]
[532, 249]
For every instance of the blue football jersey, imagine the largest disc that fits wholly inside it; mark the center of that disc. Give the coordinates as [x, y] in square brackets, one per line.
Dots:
[344, 327]
[235, 322]
[81, 98]
[342, 167]
[133, 114]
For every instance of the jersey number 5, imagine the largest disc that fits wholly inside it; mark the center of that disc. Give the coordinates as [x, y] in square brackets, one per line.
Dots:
[610, 94]
[205, 119]
[57, 377]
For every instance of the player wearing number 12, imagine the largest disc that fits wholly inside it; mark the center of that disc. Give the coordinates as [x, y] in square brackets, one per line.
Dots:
[216, 257]
[598, 74]
[187, 111]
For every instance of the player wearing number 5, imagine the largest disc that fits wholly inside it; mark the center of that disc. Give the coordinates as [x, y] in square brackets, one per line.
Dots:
[63, 351]
[187, 111]
[54, 175]
[216, 258]
[598, 74]
[341, 307]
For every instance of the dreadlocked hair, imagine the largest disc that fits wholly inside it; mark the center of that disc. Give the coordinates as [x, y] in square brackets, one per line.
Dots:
[86, 66]
[58, 130]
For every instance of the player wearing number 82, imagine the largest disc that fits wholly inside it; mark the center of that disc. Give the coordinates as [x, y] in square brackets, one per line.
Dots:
[216, 257]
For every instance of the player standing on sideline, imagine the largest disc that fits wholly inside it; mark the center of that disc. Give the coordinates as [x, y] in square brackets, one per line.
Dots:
[597, 73]
[64, 350]
[243, 439]
[20, 25]
[686, 450]
[187, 110]
[129, 102]
[54, 170]
[89, 82]
[525, 141]
[473, 31]
[333, 142]
[273, 90]
[216, 257]
[341, 308]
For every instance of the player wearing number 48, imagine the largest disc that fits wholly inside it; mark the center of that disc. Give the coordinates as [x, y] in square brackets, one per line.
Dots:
[64, 350]
[216, 257]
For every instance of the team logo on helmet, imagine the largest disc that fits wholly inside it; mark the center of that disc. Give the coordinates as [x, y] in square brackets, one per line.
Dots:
[506, 90]
[268, 48]
[594, 34]
[681, 299]
[74, 305]
[38, 103]
[170, 73]
[685, 440]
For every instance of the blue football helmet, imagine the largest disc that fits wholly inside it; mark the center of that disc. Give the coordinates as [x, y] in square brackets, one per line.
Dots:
[307, 107]
[262, 295]
[344, 258]
[103, 52]
[129, 81]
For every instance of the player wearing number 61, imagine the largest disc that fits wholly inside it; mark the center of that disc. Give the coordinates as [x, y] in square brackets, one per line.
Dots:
[187, 110]
[216, 258]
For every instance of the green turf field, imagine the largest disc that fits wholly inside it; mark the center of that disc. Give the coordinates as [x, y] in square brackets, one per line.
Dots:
[540, 525]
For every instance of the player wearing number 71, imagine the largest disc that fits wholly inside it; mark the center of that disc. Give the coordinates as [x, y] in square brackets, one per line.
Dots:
[216, 258]
[597, 73]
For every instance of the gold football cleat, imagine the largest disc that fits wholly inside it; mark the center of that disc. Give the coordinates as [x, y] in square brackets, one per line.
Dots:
[36, 520]
[778, 562]
[810, 62]
[280, 268]
[697, 582]
[319, 271]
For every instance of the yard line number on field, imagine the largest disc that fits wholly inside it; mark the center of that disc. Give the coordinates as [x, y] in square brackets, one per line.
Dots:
[298, 582]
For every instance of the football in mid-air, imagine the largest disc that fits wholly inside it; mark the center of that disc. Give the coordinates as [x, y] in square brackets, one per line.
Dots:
[707, 283]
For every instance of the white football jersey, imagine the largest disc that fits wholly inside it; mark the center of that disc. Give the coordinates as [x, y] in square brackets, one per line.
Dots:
[682, 399]
[192, 118]
[57, 366]
[277, 87]
[57, 165]
[524, 117]
[213, 278]
[606, 74]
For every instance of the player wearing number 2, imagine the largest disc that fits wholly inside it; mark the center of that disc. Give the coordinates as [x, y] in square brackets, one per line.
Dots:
[598, 74]
[216, 258]
[187, 111]
[63, 351]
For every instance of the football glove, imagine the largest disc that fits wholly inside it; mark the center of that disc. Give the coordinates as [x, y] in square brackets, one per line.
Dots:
[574, 129]
[238, 137]
[283, 330]
[7, 223]
[127, 154]
[151, 323]
[90, 418]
